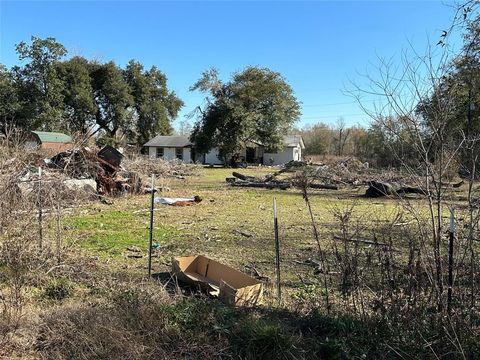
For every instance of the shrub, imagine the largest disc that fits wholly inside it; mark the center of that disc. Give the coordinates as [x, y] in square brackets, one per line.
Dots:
[58, 289]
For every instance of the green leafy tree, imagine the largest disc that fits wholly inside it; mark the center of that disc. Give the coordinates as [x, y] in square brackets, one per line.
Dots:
[256, 105]
[113, 99]
[9, 100]
[38, 84]
[455, 100]
[78, 96]
[391, 143]
[155, 107]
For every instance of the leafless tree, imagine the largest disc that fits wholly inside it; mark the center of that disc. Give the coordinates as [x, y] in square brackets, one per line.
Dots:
[399, 87]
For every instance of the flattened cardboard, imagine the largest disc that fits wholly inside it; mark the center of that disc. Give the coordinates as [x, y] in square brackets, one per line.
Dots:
[230, 285]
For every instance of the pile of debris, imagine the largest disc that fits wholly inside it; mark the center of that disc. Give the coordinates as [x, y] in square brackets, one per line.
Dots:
[103, 167]
[380, 189]
[269, 182]
[252, 181]
[84, 171]
[161, 168]
[76, 174]
[349, 172]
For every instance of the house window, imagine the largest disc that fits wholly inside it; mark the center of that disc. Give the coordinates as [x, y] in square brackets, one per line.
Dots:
[159, 152]
[179, 153]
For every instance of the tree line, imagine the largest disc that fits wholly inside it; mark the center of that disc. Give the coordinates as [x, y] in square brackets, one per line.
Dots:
[53, 92]
[372, 143]
[49, 92]
[429, 109]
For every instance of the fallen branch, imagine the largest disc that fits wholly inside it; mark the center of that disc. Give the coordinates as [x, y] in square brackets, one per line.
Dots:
[245, 177]
[253, 271]
[266, 185]
[379, 189]
[242, 232]
[323, 186]
[269, 182]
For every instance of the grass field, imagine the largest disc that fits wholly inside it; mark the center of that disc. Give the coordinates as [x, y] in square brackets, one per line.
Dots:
[234, 225]
[98, 303]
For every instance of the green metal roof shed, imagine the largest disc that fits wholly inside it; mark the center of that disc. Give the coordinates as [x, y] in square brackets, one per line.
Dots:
[53, 137]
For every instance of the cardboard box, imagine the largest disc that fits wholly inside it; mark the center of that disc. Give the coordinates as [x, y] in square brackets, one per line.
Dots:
[230, 285]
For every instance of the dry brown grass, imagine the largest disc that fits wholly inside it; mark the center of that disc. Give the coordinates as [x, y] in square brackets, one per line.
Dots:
[75, 300]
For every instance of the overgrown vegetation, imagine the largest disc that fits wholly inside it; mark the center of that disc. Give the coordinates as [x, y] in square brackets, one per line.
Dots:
[361, 278]
[103, 307]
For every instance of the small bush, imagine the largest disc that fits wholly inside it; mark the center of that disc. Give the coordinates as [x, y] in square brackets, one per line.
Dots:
[264, 340]
[58, 289]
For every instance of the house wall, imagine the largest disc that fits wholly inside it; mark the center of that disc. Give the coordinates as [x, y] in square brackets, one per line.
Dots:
[56, 146]
[212, 157]
[288, 154]
[298, 154]
[33, 145]
[169, 153]
[187, 155]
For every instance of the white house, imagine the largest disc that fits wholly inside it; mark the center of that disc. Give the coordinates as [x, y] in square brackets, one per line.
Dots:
[251, 153]
[292, 150]
[180, 147]
[255, 153]
[170, 147]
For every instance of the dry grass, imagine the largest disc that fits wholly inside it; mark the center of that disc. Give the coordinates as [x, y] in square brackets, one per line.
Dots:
[97, 303]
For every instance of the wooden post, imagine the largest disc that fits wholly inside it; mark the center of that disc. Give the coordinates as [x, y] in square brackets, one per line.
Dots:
[451, 232]
[151, 227]
[277, 248]
[40, 214]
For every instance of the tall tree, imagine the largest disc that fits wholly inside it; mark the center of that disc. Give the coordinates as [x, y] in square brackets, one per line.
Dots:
[185, 128]
[154, 105]
[113, 99]
[78, 95]
[342, 135]
[39, 86]
[9, 101]
[455, 98]
[79, 103]
[256, 104]
[318, 139]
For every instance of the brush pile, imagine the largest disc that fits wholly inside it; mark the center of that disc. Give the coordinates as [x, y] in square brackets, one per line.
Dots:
[333, 175]
[161, 168]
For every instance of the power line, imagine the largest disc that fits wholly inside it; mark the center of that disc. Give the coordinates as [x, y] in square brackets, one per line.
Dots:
[331, 104]
[330, 116]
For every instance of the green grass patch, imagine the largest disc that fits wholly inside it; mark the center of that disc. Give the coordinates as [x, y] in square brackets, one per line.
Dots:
[58, 289]
[110, 232]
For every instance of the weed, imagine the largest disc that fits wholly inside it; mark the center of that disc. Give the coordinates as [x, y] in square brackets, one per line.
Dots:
[58, 289]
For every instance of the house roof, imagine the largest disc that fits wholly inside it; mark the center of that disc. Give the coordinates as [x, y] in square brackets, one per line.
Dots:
[293, 140]
[169, 141]
[54, 137]
[183, 141]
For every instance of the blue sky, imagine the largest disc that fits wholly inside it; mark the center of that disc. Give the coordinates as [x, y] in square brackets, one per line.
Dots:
[317, 46]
